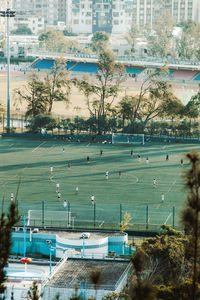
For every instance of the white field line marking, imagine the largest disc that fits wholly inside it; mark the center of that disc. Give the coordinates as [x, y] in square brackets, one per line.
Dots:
[38, 146]
[168, 218]
[137, 180]
[171, 186]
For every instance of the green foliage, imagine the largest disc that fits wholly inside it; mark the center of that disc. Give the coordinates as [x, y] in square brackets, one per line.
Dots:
[40, 122]
[40, 94]
[57, 86]
[34, 95]
[141, 287]
[53, 40]
[6, 224]
[22, 30]
[167, 252]
[188, 44]
[125, 223]
[182, 291]
[33, 293]
[100, 95]
[131, 38]
[99, 41]
[191, 215]
[160, 39]
[96, 279]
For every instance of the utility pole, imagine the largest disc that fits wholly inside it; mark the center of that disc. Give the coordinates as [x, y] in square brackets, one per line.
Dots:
[8, 13]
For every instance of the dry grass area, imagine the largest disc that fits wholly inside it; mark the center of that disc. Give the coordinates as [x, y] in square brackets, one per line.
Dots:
[18, 80]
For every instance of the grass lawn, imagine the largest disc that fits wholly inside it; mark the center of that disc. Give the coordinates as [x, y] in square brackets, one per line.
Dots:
[31, 160]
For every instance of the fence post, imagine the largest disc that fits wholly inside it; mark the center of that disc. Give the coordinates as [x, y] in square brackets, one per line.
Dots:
[68, 212]
[147, 217]
[94, 215]
[120, 215]
[43, 214]
[22, 124]
[173, 225]
[3, 122]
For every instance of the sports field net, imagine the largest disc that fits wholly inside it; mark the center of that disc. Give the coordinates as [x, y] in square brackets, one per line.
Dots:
[49, 218]
[122, 138]
[99, 216]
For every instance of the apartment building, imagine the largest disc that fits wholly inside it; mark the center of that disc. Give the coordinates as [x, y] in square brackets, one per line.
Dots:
[116, 16]
[47, 9]
[33, 22]
[148, 11]
[112, 16]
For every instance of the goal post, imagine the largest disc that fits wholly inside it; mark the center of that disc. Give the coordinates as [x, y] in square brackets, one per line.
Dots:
[35, 217]
[125, 138]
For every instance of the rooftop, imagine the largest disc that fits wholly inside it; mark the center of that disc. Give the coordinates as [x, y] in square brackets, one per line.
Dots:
[78, 234]
[74, 271]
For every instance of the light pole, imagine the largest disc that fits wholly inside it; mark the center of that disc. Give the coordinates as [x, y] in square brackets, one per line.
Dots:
[49, 242]
[8, 13]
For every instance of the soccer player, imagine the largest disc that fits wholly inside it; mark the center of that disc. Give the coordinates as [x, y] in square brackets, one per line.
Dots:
[58, 195]
[131, 153]
[63, 149]
[147, 160]
[101, 152]
[11, 196]
[139, 157]
[57, 187]
[107, 175]
[120, 174]
[76, 190]
[167, 157]
[181, 162]
[162, 197]
[65, 204]
[51, 170]
[69, 166]
[88, 159]
[92, 199]
[154, 182]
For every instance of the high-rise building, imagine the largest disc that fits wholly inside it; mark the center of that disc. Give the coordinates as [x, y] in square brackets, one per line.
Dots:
[47, 9]
[112, 16]
[148, 11]
[116, 16]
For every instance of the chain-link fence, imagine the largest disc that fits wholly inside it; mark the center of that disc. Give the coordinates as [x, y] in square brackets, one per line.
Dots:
[97, 216]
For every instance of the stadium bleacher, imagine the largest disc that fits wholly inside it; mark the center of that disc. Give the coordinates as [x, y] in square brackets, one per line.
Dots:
[197, 77]
[47, 64]
[43, 64]
[183, 74]
[85, 67]
[136, 72]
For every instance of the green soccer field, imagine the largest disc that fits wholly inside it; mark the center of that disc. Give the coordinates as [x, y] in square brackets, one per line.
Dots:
[30, 161]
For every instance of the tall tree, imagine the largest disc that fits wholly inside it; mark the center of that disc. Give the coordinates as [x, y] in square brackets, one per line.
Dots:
[34, 95]
[57, 85]
[101, 93]
[154, 100]
[140, 287]
[131, 38]
[40, 94]
[160, 38]
[99, 41]
[53, 40]
[191, 215]
[188, 42]
[6, 224]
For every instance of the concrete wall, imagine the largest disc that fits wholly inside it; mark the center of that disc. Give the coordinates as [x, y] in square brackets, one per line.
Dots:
[99, 248]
